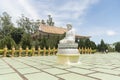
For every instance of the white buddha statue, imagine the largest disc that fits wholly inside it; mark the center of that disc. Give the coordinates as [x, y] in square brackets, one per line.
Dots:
[70, 35]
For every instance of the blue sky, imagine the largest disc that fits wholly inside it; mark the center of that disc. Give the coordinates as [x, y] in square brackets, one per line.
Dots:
[99, 19]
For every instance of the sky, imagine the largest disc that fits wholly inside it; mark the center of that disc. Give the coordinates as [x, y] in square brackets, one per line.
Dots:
[99, 19]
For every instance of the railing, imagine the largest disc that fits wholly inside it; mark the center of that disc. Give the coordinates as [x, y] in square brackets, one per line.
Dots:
[39, 52]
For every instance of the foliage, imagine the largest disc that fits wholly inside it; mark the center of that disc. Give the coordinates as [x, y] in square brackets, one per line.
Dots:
[117, 47]
[21, 35]
[94, 51]
[102, 47]
[43, 22]
[49, 21]
[29, 26]
[6, 25]
[17, 34]
[26, 41]
[86, 43]
[7, 41]
[51, 41]
[81, 43]
[93, 45]
[111, 47]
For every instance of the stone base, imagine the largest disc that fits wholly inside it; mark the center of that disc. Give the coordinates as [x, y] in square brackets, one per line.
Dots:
[68, 58]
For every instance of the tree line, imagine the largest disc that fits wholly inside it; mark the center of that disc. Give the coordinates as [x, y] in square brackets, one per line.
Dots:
[20, 35]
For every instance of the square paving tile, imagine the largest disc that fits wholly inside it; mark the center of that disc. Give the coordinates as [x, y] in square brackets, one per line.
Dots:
[103, 76]
[42, 66]
[117, 69]
[13, 76]
[55, 71]
[107, 71]
[28, 70]
[49, 63]
[40, 76]
[20, 66]
[6, 70]
[62, 66]
[104, 66]
[84, 66]
[81, 71]
[4, 66]
[72, 76]
[116, 65]
[92, 67]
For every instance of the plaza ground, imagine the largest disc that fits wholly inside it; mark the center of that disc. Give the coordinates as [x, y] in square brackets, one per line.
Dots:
[93, 67]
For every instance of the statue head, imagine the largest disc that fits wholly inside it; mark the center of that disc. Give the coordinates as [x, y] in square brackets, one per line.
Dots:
[69, 27]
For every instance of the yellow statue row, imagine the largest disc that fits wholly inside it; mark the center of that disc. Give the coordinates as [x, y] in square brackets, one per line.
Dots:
[39, 51]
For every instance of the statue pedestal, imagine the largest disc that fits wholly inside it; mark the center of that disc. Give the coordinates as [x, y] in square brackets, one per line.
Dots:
[68, 54]
[67, 58]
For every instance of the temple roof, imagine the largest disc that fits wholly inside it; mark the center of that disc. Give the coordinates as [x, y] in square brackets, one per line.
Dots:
[56, 30]
[52, 29]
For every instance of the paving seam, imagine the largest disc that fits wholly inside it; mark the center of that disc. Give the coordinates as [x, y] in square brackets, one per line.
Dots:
[62, 73]
[107, 73]
[22, 76]
[81, 68]
[115, 68]
[41, 70]
[65, 70]
[86, 69]
[31, 73]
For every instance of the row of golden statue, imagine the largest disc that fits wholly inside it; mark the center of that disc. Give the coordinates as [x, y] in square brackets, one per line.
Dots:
[39, 51]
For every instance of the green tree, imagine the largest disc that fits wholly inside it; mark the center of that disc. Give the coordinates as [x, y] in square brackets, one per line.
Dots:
[87, 43]
[102, 46]
[49, 21]
[93, 45]
[29, 26]
[26, 41]
[81, 43]
[43, 22]
[6, 25]
[52, 41]
[17, 35]
[42, 42]
[117, 47]
[111, 47]
[34, 27]
[49, 41]
[7, 41]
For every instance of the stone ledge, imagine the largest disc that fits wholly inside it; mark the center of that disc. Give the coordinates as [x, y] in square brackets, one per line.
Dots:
[68, 46]
[68, 51]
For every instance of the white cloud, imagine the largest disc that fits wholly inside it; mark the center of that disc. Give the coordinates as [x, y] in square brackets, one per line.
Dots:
[111, 33]
[16, 8]
[69, 11]
[74, 9]
[10, 7]
[29, 9]
[100, 31]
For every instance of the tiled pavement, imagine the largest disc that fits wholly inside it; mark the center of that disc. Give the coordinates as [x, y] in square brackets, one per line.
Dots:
[92, 67]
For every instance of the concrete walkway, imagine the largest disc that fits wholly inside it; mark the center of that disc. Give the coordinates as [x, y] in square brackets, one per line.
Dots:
[92, 67]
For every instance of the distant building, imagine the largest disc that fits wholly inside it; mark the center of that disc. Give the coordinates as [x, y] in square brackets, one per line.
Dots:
[46, 31]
